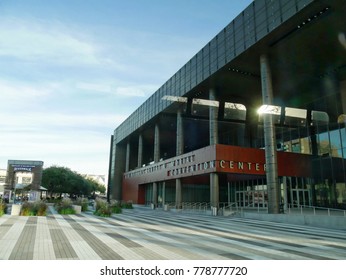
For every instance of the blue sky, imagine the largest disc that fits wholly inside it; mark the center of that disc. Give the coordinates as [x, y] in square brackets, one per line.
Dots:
[73, 70]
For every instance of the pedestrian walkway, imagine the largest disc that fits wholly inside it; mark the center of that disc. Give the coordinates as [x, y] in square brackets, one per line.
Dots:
[145, 234]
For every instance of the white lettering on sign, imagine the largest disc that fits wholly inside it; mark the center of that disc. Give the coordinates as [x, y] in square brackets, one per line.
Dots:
[187, 165]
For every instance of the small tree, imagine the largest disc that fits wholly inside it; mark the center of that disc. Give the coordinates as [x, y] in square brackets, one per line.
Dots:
[63, 180]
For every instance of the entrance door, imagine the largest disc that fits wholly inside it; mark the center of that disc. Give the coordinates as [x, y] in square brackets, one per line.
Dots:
[250, 193]
[240, 198]
[301, 197]
[252, 198]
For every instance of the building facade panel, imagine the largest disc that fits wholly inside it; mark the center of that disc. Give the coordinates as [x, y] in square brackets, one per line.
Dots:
[216, 158]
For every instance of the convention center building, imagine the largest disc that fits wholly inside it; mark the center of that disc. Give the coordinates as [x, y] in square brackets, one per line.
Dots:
[256, 118]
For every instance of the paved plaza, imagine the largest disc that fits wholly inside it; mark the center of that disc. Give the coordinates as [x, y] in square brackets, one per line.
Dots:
[142, 233]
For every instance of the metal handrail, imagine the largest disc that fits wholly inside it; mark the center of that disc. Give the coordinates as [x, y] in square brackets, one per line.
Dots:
[291, 208]
[195, 206]
[328, 211]
[252, 207]
[230, 205]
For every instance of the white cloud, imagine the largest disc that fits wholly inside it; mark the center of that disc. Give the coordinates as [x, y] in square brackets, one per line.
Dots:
[134, 91]
[72, 150]
[51, 112]
[80, 142]
[119, 91]
[94, 87]
[17, 91]
[50, 121]
[38, 41]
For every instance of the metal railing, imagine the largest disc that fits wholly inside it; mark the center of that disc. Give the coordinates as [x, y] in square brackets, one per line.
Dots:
[225, 208]
[195, 206]
[252, 207]
[314, 210]
[229, 208]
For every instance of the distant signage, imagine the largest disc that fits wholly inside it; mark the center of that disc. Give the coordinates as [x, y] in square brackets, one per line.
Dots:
[24, 168]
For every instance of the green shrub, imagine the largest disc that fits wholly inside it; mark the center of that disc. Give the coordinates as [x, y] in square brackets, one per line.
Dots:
[3, 207]
[66, 211]
[64, 207]
[83, 202]
[116, 206]
[102, 208]
[103, 212]
[105, 209]
[37, 208]
[127, 204]
[117, 210]
[27, 209]
[40, 208]
[100, 203]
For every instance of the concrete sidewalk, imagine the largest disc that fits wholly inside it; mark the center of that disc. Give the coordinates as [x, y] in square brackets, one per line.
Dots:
[145, 234]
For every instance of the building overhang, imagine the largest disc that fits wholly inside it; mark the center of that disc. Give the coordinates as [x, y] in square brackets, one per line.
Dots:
[220, 159]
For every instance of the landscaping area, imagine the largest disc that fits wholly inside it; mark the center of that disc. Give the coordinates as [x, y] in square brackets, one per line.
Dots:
[106, 209]
[67, 206]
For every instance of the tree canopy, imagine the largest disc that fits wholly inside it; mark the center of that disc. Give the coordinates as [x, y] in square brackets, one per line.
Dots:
[59, 180]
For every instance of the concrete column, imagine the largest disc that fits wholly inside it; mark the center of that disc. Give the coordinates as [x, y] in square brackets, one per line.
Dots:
[110, 171]
[127, 165]
[291, 192]
[157, 144]
[118, 168]
[140, 151]
[154, 198]
[284, 183]
[163, 193]
[156, 159]
[269, 139]
[214, 190]
[178, 196]
[180, 135]
[213, 140]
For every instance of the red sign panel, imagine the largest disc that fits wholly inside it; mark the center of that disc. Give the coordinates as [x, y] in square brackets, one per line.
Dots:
[216, 158]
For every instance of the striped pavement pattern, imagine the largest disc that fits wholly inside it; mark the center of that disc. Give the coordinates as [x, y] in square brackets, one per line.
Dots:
[145, 234]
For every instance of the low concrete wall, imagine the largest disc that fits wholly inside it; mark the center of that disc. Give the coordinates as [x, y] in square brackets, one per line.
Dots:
[77, 208]
[334, 222]
[15, 210]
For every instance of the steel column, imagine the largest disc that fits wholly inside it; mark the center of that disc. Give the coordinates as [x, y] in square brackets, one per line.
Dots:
[269, 139]
[127, 165]
[213, 139]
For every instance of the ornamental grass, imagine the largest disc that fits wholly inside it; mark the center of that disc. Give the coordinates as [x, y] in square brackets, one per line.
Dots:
[83, 202]
[115, 206]
[3, 207]
[37, 208]
[102, 208]
[126, 204]
[65, 207]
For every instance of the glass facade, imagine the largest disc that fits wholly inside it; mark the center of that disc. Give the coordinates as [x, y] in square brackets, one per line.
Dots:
[318, 137]
[307, 104]
[255, 22]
